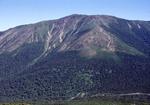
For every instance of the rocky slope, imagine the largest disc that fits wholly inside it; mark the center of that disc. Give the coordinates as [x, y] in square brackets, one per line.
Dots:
[78, 32]
[59, 59]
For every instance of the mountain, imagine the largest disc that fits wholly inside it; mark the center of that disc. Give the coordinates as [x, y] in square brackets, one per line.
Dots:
[74, 56]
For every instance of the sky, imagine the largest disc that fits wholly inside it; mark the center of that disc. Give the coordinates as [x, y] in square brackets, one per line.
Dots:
[18, 12]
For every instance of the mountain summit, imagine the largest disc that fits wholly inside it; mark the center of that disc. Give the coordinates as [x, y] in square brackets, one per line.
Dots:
[59, 59]
[78, 32]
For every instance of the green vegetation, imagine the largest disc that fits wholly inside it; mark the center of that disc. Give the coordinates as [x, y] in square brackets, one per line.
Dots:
[46, 81]
[99, 102]
[83, 102]
[15, 104]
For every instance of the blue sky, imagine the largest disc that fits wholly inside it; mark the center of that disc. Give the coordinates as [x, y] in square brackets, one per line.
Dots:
[18, 12]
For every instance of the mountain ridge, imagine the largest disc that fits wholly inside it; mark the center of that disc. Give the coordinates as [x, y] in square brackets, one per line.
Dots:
[93, 16]
[75, 15]
[75, 54]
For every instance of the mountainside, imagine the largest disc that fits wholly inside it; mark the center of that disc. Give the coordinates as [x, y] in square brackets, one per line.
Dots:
[78, 55]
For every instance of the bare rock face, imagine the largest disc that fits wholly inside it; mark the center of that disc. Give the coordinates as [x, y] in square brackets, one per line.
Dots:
[75, 32]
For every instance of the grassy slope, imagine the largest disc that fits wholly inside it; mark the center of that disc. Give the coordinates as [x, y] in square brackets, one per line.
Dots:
[83, 102]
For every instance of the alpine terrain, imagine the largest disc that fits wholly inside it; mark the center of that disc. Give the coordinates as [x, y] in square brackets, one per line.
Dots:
[74, 57]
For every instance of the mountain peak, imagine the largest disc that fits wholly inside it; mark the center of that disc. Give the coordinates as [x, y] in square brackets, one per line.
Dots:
[75, 54]
[74, 32]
